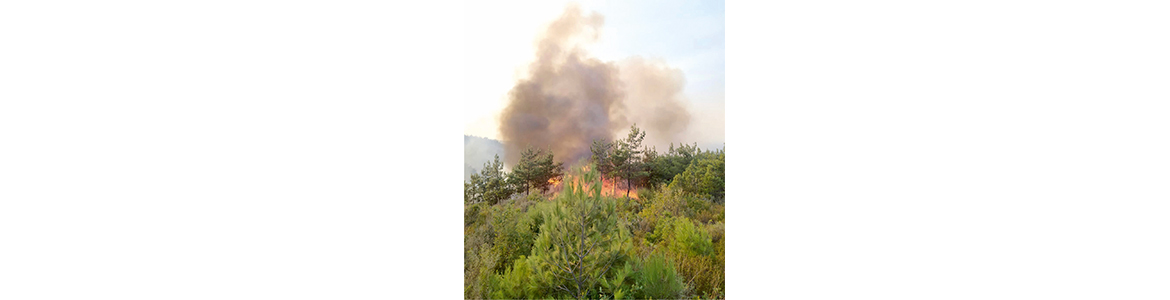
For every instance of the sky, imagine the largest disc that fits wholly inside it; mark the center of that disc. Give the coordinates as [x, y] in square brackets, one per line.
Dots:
[688, 35]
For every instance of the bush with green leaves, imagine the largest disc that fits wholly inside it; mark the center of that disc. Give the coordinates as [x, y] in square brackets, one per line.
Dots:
[703, 274]
[658, 278]
[478, 262]
[662, 230]
[516, 282]
[622, 285]
[513, 235]
[689, 239]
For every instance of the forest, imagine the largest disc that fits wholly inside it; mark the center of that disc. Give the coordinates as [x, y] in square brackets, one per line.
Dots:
[627, 223]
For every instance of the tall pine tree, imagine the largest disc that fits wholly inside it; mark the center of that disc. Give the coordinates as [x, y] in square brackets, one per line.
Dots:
[627, 157]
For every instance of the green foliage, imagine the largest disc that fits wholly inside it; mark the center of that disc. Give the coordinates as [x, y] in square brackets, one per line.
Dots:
[534, 170]
[474, 213]
[661, 231]
[513, 235]
[690, 239]
[621, 285]
[703, 274]
[666, 244]
[659, 280]
[580, 241]
[664, 167]
[478, 260]
[602, 158]
[477, 274]
[491, 185]
[659, 209]
[705, 212]
[516, 282]
[627, 158]
[704, 176]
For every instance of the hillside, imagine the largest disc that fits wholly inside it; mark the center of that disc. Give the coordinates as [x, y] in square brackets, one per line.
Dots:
[477, 151]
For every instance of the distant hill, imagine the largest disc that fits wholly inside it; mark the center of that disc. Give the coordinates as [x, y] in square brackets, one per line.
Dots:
[477, 151]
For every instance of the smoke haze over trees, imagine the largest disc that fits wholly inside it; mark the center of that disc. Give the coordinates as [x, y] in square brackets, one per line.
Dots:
[571, 98]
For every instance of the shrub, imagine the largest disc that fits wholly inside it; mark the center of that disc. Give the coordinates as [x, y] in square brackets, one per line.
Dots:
[621, 285]
[516, 282]
[711, 213]
[661, 230]
[513, 236]
[702, 273]
[689, 239]
[704, 176]
[473, 214]
[478, 259]
[666, 204]
[478, 273]
[658, 278]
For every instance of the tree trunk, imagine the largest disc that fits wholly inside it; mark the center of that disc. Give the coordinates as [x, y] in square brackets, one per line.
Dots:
[627, 188]
[629, 182]
[602, 175]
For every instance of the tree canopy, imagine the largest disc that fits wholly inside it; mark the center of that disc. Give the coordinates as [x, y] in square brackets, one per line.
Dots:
[534, 170]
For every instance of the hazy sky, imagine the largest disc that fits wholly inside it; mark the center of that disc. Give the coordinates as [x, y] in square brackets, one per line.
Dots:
[688, 35]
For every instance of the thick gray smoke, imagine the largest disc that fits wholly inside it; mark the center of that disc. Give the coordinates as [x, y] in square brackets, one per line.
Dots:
[570, 98]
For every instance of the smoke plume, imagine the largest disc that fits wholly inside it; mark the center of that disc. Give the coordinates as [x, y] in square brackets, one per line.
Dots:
[571, 98]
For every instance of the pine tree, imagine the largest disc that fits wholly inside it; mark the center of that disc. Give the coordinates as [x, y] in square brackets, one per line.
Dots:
[663, 167]
[627, 157]
[602, 152]
[491, 185]
[547, 169]
[704, 176]
[525, 170]
[580, 241]
[535, 169]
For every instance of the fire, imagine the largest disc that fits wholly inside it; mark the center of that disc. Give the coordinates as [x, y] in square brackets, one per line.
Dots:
[609, 187]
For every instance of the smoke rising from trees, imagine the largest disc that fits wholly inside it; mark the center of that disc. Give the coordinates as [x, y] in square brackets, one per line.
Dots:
[571, 98]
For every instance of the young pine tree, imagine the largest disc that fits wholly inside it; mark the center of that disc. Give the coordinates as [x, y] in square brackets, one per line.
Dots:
[580, 241]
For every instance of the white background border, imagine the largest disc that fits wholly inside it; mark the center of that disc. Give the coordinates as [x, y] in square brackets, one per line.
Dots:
[290, 150]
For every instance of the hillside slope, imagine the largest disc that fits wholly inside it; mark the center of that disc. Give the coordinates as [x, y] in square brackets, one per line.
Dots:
[477, 151]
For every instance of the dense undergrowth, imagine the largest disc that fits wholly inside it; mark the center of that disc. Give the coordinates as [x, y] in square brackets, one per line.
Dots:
[666, 244]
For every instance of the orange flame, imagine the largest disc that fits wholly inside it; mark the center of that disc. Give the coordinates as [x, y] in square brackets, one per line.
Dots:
[609, 186]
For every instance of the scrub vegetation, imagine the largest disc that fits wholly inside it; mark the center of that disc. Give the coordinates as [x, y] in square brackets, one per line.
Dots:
[630, 223]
